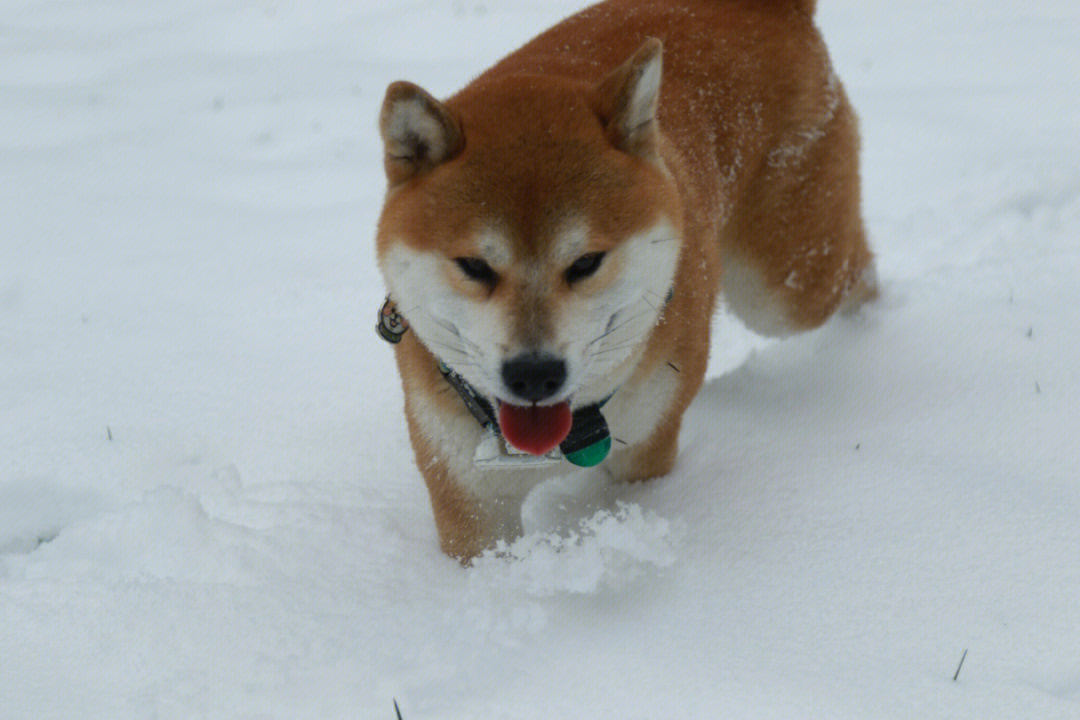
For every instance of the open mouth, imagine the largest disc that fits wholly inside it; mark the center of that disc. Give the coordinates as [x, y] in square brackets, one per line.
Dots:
[535, 429]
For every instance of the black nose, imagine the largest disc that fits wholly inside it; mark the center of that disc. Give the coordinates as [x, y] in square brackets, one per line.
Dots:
[534, 377]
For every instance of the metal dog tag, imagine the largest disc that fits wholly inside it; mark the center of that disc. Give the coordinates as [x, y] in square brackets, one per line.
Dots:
[494, 453]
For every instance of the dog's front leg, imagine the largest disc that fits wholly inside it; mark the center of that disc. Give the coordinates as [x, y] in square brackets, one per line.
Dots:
[461, 519]
[645, 414]
[655, 456]
[473, 508]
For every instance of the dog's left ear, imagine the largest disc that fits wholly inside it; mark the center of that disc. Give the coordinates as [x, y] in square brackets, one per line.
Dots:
[626, 101]
[418, 132]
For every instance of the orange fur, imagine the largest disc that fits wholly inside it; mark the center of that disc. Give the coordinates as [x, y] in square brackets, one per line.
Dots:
[751, 155]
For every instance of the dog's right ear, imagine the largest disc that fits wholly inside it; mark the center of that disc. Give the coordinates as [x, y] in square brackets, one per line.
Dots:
[418, 132]
[626, 101]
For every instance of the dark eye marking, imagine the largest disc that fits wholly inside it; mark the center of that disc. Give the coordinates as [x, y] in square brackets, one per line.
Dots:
[584, 266]
[477, 269]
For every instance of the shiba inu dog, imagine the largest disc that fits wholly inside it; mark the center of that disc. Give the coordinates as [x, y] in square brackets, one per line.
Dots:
[555, 236]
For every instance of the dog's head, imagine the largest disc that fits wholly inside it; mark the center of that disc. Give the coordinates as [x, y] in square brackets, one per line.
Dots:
[531, 231]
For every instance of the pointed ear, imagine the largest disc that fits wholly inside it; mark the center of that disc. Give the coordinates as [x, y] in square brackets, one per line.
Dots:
[626, 100]
[418, 132]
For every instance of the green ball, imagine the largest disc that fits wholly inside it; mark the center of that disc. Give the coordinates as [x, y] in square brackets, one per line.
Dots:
[592, 455]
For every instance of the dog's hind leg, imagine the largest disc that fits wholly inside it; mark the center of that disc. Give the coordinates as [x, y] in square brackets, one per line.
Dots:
[795, 251]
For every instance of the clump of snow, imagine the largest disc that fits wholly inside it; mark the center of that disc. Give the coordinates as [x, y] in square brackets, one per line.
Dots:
[607, 550]
[517, 591]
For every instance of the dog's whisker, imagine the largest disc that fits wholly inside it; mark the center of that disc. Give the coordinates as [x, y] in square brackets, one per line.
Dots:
[435, 341]
[613, 330]
[663, 309]
[635, 329]
[622, 347]
[622, 342]
[600, 337]
[646, 300]
[452, 329]
[456, 355]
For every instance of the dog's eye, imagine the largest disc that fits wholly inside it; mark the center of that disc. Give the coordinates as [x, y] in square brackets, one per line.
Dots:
[477, 269]
[584, 266]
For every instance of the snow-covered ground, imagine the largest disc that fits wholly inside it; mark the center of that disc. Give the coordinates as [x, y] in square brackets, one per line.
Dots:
[208, 504]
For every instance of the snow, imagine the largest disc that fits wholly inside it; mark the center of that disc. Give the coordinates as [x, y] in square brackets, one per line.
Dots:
[208, 503]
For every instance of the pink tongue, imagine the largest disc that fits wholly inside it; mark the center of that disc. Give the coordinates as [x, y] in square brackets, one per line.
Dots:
[536, 429]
